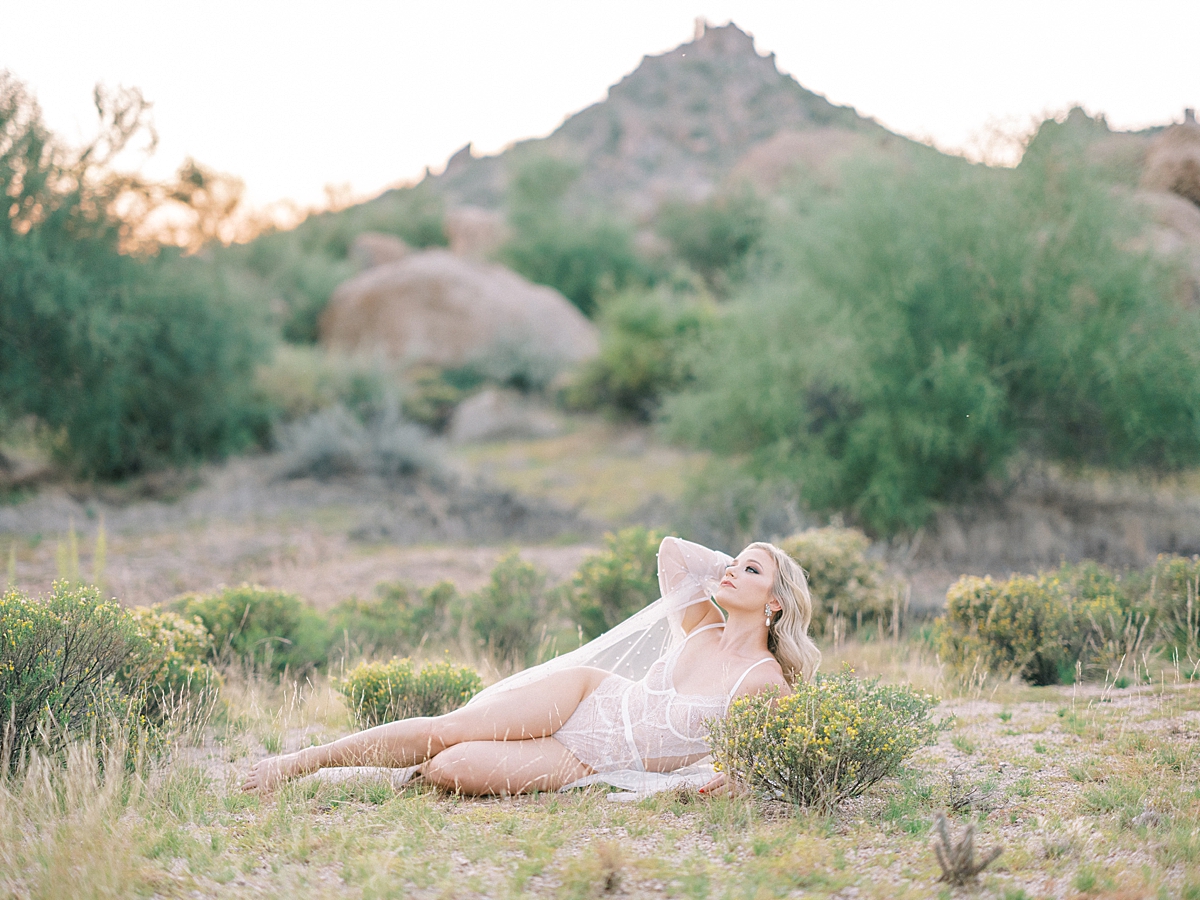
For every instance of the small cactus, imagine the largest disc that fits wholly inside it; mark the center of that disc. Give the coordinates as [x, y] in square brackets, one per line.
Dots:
[957, 858]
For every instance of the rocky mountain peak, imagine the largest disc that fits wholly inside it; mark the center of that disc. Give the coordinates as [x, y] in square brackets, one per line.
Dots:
[674, 127]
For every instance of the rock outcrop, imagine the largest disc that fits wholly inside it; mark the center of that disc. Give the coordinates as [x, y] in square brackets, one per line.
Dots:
[1173, 160]
[374, 248]
[437, 308]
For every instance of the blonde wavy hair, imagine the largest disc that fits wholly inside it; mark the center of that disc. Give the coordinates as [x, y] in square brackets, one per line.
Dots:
[788, 636]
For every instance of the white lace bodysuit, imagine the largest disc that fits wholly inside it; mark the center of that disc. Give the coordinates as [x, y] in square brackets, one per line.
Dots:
[645, 725]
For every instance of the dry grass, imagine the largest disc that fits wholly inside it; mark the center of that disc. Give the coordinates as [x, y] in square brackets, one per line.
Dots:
[1092, 791]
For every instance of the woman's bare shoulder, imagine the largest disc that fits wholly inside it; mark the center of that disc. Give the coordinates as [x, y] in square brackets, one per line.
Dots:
[765, 677]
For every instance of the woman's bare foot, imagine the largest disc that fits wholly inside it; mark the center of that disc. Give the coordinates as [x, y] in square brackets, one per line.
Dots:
[267, 774]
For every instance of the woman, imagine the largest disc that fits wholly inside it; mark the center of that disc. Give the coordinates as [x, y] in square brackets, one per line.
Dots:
[606, 709]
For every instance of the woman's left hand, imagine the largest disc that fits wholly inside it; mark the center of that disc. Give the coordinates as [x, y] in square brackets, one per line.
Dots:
[718, 786]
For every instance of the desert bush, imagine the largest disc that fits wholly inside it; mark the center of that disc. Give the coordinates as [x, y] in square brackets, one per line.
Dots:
[509, 615]
[1019, 626]
[583, 258]
[399, 619]
[135, 361]
[912, 330]
[386, 691]
[829, 740]
[334, 441]
[433, 395]
[844, 583]
[612, 585]
[171, 668]
[259, 626]
[300, 380]
[59, 658]
[646, 341]
[1050, 628]
[1175, 599]
[715, 236]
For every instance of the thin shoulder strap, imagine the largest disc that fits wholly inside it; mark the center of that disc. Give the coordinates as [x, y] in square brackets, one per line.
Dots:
[749, 668]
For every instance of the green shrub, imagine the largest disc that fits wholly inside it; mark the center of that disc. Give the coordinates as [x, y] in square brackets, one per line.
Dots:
[612, 585]
[1019, 626]
[384, 692]
[715, 237]
[582, 258]
[172, 665]
[831, 739]
[845, 585]
[136, 362]
[264, 627]
[399, 619]
[509, 614]
[59, 657]
[432, 398]
[1175, 598]
[646, 339]
[300, 380]
[1045, 629]
[913, 330]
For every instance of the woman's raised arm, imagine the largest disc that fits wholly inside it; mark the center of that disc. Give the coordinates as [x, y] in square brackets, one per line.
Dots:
[690, 573]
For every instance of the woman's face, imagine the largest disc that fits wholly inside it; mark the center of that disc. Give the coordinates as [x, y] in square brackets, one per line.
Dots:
[748, 582]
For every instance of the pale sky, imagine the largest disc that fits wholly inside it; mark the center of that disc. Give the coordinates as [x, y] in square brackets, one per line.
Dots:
[298, 95]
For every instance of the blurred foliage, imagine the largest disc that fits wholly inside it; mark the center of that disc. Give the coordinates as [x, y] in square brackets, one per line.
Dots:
[612, 585]
[645, 340]
[1080, 621]
[386, 691]
[134, 362]
[715, 237]
[848, 589]
[300, 380]
[398, 619]
[915, 328]
[1175, 598]
[259, 626]
[583, 257]
[511, 614]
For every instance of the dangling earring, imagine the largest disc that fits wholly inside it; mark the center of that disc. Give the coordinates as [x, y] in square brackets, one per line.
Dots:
[767, 610]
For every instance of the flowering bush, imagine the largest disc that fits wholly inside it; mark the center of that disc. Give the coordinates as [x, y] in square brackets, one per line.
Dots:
[848, 589]
[171, 665]
[383, 692]
[832, 738]
[1046, 628]
[58, 659]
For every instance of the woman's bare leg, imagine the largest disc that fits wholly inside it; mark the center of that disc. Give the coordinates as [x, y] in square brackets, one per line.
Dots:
[534, 711]
[504, 767]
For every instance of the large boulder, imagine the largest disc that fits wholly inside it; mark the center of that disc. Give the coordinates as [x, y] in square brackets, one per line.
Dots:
[437, 308]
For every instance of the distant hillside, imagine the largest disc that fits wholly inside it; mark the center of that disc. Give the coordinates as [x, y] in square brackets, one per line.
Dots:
[673, 128]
